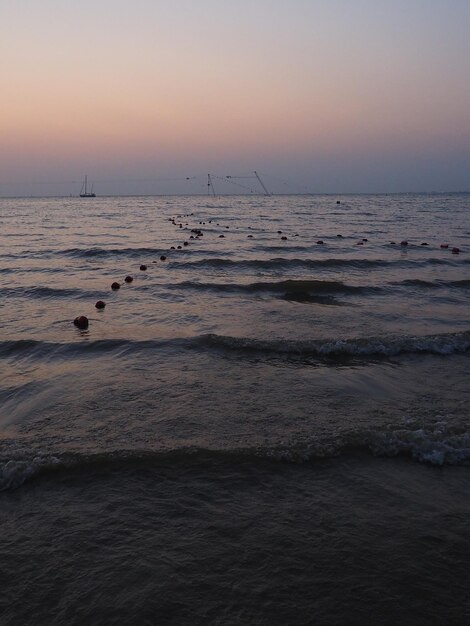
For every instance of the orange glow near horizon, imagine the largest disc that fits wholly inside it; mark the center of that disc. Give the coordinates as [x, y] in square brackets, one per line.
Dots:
[140, 84]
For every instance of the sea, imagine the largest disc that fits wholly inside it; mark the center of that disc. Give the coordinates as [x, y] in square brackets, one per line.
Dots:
[268, 424]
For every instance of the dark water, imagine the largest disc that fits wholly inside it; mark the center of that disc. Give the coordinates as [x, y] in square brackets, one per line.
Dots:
[256, 430]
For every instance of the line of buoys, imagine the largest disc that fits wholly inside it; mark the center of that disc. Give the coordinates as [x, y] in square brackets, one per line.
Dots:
[81, 322]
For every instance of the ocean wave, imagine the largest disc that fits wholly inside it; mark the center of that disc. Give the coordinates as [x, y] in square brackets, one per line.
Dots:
[105, 252]
[296, 263]
[32, 348]
[443, 344]
[303, 286]
[438, 444]
[39, 292]
[321, 349]
[433, 284]
[15, 472]
[280, 263]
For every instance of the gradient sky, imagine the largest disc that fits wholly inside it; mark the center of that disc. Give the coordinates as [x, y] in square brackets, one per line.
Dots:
[325, 96]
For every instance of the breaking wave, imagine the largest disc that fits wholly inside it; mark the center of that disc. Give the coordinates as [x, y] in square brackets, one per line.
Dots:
[438, 444]
[361, 348]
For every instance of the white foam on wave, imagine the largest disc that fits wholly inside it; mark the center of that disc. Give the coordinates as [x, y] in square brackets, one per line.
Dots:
[445, 344]
[15, 472]
[438, 444]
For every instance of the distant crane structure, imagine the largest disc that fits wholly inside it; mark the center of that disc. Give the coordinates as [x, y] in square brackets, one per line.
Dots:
[210, 186]
[256, 176]
[238, 181]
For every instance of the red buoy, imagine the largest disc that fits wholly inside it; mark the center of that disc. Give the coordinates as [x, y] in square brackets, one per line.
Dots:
[444, 245]
[100, 304]
[403, 243]
[115, 286]
[81, 322]
[128, 279]
[320, 241]
[455, 250]
[143, 268]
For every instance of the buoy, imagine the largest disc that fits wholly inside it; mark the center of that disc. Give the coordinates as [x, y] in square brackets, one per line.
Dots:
[365, 239]
[424, 243]
[163, 258]
[250, 236]
[100, 304]
[115, 286]
[81, 322]
[172, 248]
[320, 241]
[143, 268]
[455, 250]
[284, 238]
[338, 202]
[279, 232]
[128, 279]
[185, 243]
[444, 245]
[360, 243]
[178, 248]
[392, 243]
[403, 243]
[221, 236]
[339, 235]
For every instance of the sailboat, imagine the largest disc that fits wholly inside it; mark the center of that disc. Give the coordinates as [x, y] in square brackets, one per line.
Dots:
[84, 193]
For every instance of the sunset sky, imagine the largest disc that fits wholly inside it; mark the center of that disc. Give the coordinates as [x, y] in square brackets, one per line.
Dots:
[323, 96]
